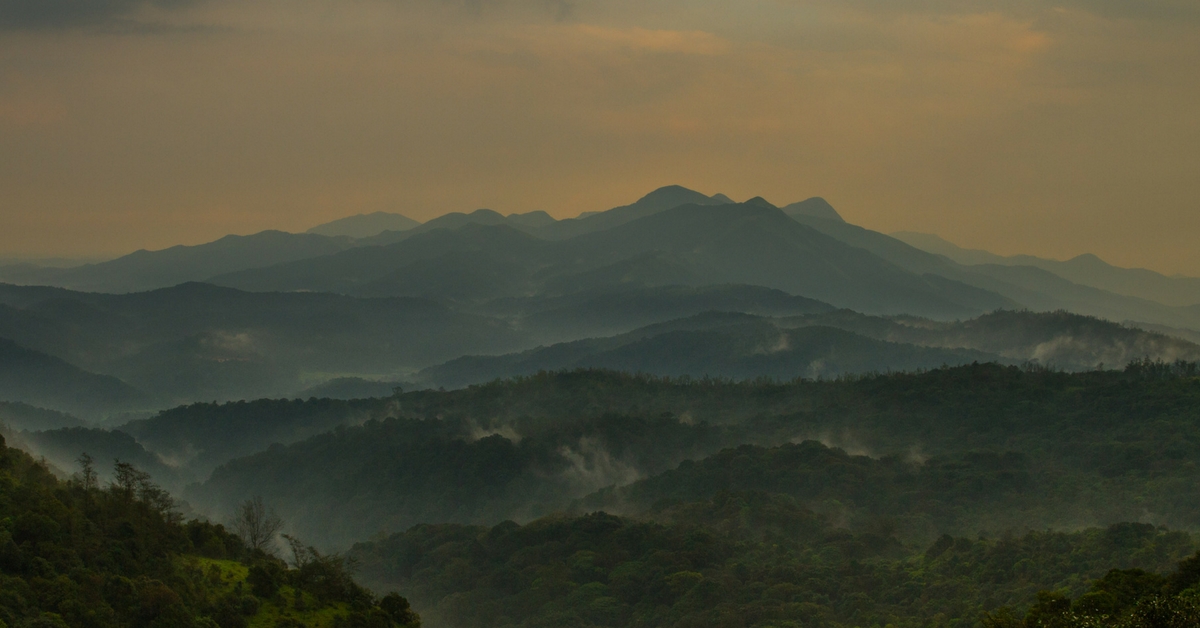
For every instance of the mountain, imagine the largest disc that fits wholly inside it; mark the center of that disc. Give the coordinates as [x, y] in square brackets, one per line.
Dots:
[757, 244]
[815, 207]
[1030, 286]
[751, 243]
[148, 270]
[1086, 269]
[365, 225]
[659, 200]
[31, 377]
[733, 346]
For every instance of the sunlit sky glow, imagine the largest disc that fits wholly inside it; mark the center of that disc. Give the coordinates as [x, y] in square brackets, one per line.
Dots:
[1019, 127]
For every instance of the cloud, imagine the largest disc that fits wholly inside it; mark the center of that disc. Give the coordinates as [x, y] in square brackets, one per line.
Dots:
[57, 14]
[1144, 10]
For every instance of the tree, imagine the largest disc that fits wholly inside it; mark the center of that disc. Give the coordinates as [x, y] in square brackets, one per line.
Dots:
[257, 525]
[87, 471]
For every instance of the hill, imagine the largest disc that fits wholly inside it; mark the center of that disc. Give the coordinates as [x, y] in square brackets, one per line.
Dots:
[77, 554]
[1028, 448]
[754, 559]
[1060, 339]
[662, 199]
[197, 438]
[829, 344]
[31, 377]
[729, 346]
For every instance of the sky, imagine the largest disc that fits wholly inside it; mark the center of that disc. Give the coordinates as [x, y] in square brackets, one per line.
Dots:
[1022, 126]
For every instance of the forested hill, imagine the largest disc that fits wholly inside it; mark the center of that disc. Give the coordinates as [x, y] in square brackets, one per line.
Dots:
[996, 447]
[81, 555]
[757, 560]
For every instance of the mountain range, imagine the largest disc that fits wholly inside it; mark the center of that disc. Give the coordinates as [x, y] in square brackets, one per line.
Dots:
[1148, 297]
[676, 283]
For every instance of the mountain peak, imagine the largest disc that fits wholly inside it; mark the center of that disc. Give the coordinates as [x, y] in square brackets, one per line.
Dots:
[815, 207]
[760, 202]
[722, 199]
[672, 196]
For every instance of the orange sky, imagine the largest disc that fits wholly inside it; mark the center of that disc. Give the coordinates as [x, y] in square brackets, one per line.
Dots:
[1018, 127]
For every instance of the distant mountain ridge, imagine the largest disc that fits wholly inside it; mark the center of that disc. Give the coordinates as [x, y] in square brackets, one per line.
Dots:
[288, 312]
[1086, 269]
[148, 270]
[829, 344]
[748, 243]
[730, 346]
[365, 225]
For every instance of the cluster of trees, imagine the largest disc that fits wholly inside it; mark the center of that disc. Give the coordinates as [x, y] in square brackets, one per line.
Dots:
[741, 559]
[82, 553]
[1123, 598]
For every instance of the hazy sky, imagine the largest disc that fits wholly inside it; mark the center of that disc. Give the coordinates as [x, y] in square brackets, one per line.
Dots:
[1015, 126]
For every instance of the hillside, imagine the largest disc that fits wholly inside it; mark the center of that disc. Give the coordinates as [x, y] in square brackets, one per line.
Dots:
[711, 345]
[78, 554]
[1060, 339]
[757, 559]
[197, 438]
[829, 344]
[31, 377]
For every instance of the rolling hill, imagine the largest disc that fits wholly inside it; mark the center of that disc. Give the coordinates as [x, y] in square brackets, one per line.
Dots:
[31, 377]
[731, 346]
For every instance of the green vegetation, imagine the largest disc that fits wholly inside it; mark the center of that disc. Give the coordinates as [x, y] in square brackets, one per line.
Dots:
[76, 554]
[741, 559]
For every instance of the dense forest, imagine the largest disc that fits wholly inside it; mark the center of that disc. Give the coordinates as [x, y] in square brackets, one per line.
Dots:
[955, 450]
[79, 554]
[754, 559]
[981, 493]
